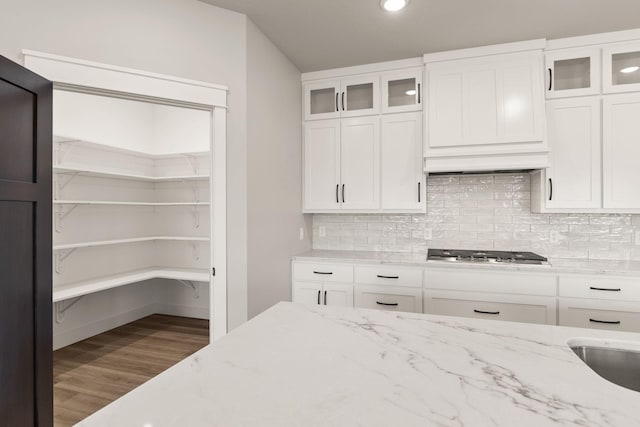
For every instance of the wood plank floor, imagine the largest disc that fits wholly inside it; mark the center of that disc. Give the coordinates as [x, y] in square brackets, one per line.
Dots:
[92, 373]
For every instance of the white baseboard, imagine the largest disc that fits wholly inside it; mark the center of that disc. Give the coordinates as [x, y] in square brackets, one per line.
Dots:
[90, 329]
[184, 311]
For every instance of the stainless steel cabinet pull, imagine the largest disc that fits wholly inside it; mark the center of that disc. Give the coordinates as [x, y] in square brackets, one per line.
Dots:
[419, 192]
[606, 322]
[550, 189]
[388, 277]
[318, 297]
[342, 101]
[337, 188]
[322, 272]
[550, 79]
[325, 297]
[605, 289]
[337, 106]
[391, 304]
[419, 93]
[342, 193]
[486, 312]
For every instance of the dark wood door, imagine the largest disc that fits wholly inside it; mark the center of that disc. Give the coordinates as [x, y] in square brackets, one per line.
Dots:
[25, 248]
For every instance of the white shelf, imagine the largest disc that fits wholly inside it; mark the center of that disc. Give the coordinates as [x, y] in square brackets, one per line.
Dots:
[68, 170]
[116, 203]
[100, 284]
[60, 139]
[125, 241]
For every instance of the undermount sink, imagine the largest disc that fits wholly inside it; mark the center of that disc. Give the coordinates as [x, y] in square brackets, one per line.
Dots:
[617, 362]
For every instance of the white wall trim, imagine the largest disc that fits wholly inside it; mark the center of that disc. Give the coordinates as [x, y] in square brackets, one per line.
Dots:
[594, 39]
[362, 69]
[496, 49]
[70, 71]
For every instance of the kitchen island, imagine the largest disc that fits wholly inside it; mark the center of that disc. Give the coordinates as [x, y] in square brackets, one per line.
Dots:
[297, 365]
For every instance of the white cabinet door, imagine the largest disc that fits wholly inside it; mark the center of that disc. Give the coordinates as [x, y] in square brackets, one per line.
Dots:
[485, 101]
[321, 100]
[307, 293]
[392, 298]
[621, 68]
[573, 72]
[360, 163]
[402, 178]
[514, 308]
[574, 178]
[337, 295]
[360, 96]
[621, 151]
[402, 91]
[321, 164]
[598, 314]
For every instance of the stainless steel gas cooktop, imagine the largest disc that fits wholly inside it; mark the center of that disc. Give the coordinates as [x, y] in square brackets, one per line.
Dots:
[504, 257]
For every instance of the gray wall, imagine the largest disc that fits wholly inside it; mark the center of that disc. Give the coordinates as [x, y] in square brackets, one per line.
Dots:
[274, 162]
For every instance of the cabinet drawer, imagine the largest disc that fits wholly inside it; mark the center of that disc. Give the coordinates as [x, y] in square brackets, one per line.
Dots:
[387, 298]
[388, 275]
[508, 282]
[492, 306]
[600, 287]
[322, 272]
[594, 314]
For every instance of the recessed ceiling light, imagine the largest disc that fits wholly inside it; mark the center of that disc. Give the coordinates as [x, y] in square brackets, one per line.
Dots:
[393, 5]
[630, 70]
[411, 92]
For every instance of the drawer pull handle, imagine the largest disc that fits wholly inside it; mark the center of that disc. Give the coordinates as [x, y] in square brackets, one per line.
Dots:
[322, 272]
[388, 277]
[392, 304]
[318, 297]
[325, 297]
[604, 289]
[607, 322]
[486, 312]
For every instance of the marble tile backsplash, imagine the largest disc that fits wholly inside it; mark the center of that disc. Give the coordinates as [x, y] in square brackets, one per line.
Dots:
[482, 212]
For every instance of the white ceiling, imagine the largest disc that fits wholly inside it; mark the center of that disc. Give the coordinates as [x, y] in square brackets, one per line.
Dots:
[321, 34]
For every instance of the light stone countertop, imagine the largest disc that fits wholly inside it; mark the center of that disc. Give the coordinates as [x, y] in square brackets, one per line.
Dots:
[297, 365]
[556, 265]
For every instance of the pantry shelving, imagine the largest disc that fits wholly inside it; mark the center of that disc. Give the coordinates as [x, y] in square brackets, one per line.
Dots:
[82, 288]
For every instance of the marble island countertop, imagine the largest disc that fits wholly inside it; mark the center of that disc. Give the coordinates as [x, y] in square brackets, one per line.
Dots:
[555, 265]
[297, 365]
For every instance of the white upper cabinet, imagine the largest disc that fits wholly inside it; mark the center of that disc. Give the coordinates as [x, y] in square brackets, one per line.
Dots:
[322, 164]
[402, 90]
[573, 72]
[402, 178]
[486, 105]
[360, 96]
[322, 100]
[621, 68]
[356, 96]
[360, 163]
[621, 151]
[342, 165]
[574, 179]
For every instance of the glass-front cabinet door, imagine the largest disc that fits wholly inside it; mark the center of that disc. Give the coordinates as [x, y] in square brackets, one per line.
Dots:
[402, 91]
[621, 68]
[321, 100]
[573, 72]
[360, 96]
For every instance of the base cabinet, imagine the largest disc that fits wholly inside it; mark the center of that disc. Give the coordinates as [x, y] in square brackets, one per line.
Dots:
[394, 298]
[514, 308]
[323, 294]
[598, 314]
